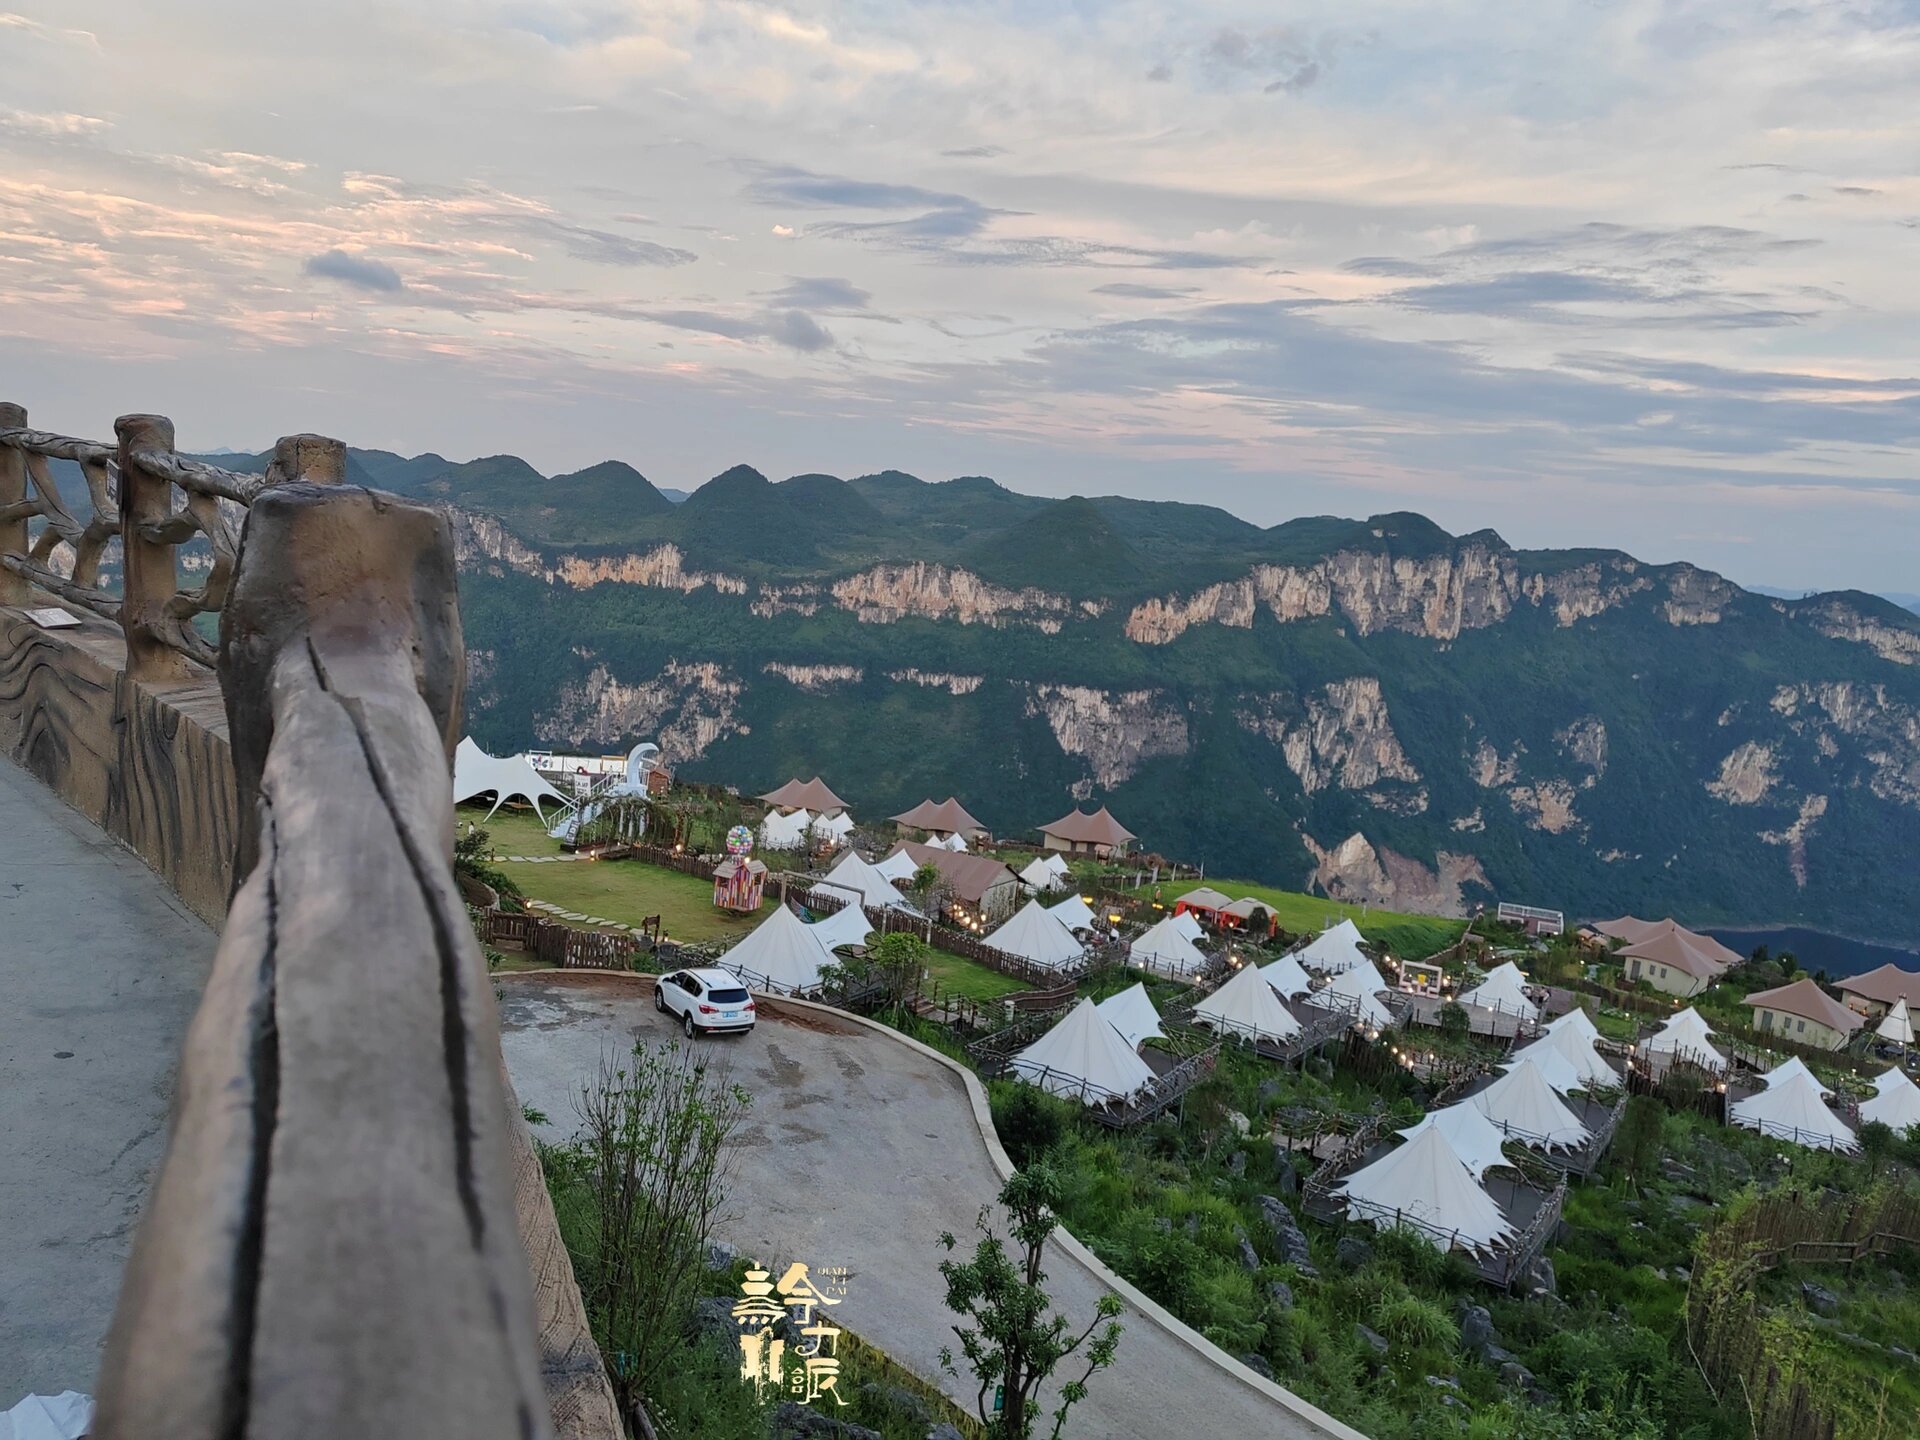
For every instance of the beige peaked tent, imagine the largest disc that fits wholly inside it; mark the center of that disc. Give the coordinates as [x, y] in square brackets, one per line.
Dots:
[1896, 1103]
[853, 873]
[897, 866]
[846, 926]
[1334, 951]
[1036, 934]
[1576, 1020]
[1792, 1110]
[1795, 1068]
[1188, 925]
[1086, 1058]
[948, 817]
[1286, 977]
[806, 795]
[1074, 913]
[1504, 991]
[1131, 1012]
[1363, 985]
[1247, 1007]
[1524, 1106]
[1474, 1138]
[1898, 1026]
[1164, 950]
[477, 773]
[1573, 1049]
[782, 954]
[1686, 1037]
[1426, 1183]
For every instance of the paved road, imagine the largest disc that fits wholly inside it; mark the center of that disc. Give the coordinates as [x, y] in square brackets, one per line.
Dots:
[859, 1152]
[100, 970]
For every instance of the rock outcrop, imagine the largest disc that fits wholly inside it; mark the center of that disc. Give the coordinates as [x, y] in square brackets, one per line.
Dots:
[1357, 870]
[1113, 732]
[886, 593]
[685, 709]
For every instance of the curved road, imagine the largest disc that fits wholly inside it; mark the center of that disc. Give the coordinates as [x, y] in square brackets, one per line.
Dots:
[859, 1150]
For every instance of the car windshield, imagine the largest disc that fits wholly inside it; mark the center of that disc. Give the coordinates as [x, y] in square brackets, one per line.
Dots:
[727, 997]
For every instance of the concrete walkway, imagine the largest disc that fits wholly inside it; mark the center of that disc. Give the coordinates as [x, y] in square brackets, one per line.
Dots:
[858, 1152]
[100, 970]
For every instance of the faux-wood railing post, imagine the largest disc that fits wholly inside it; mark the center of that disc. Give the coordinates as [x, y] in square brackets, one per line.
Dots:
[13, 491]
[151, 578]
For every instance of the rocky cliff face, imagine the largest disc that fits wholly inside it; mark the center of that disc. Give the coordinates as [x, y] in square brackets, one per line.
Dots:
[936, 592]
[1356, 870]
[1113, 732]
[1344, 737]
[1842, 621]
[687, 708]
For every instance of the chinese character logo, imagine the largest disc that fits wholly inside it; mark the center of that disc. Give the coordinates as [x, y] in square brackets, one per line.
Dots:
[764, 1355]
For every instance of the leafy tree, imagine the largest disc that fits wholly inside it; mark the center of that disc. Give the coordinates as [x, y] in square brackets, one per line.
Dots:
[1877, 1142]
[1636, 1144]
[473, 858]
[1010, 1341]
[1454, 1020]
[1030, 1124]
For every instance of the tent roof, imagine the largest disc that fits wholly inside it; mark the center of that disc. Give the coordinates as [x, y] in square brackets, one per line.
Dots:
[1686, 1035]
[1474, 1138]
[1086, 1057]
[1810, 1002]
[846, 926]
[1680, 949]
[1245, 906]
[475, 773]
[1035, 934]
[1576, 1020]
[971, 876]
[1792, 1068]
[1575, 1049]
[1039, 876]
[1504, 989]
[1898, 1024]
[1364, 983]
[1188, 926]
[834, 827]
[1884, 985]
[784, 832]
[897, 866]
[782, 952]
[1246, 1005]
[1523, 1102]
[1206, 897]
[1286, 977]
[1165, 944]
[1424, 1180]
[1131, 1012]
[1334, 950]
[1074, 913]
[1099, 828]
[1888, 1079]
[805, 795]
[1630, 928]
[1792, 1110]
[946, 815]
[1557, 1068]
[1897, 1104]
[854, 873]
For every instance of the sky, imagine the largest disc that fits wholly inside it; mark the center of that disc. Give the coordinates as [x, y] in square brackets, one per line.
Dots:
[1632, 274]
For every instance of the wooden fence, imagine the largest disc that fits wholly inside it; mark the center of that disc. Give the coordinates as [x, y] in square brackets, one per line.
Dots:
[561, 946]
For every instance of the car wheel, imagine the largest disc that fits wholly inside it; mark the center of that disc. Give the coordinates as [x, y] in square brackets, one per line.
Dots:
[659, 1000]
[686, 1023]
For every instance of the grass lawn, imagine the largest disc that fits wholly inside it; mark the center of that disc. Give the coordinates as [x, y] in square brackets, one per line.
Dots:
[964, 977]
[625, 890]
[1411, 937]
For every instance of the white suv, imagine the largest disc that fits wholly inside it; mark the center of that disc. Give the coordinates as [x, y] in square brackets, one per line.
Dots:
[704, 1000]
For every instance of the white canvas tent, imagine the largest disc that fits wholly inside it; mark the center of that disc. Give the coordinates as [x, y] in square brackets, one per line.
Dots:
[955, 842]
[1084, 1057]
[1792, 1110]
[1057, 864]
[1188, 924]
[1794, 1068]
[1035, 933]
[1074, 913]
[1131, 1012]
[1426, 1183]
[1165, 951]
[1246, 1006]
[833, 828]
[1555, 1067]
[1040, 876]
[1335, 951]
[1524, 1107]
[1576, 1020]
[1359, 985]
[1504, 992]
[1574, 1050]
[1686, 1037]
[846, 926]
[1898, 1025]
[1286, 977]
[1474, 1138]
[781, 954]
[897, 866]
[784, 832]
[508, 778]
[1896, 1104]
[851, 872]
[1888, 1080]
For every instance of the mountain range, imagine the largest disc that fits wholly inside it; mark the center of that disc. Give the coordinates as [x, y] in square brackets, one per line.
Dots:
[1375, 708]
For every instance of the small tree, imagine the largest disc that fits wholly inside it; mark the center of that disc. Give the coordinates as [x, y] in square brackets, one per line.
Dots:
[1454, 1020]
[1636, 1145]
[1009, 1340]
[473, 857]
[1877, 1142]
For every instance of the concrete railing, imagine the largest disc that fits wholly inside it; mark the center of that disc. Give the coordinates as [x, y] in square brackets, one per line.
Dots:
[333, 1244]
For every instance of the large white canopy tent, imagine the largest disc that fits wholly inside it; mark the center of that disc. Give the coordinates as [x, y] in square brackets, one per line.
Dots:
[1333, 951]
[1246, 1006]
[853, 873]
[1164, 950]
[508, 777]
[1523, 1105]
[1074, 913]
[1794, 1068]
[1888, 1079]
[846, 926]
[782, 954]
[1574, 1050]
[833, 828]
[1686, 1037]
[1359, 987]
[1557, 1069]
[1896, 1103]
[1504, 991]
[1576, 1020]
[1898, 1024]
[1424, 1181]
[1286, 977]
[897, 866]
[1035, 933]
[1792, 1110]
[1085, 1057]
[784, 832]
[1188, 924]
[1474, 1138]
[1131, 1012]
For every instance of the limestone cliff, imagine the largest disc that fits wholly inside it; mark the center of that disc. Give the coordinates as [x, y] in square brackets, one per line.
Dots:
[685, 709]
[1113, 732]
[939, 592]
[1839, 620]
[1345, 737]
[1356, 870]
[815, 677]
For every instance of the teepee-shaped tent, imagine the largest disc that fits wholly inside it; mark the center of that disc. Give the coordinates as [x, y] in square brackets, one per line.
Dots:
[1361, 985]
[1794, 1068]
[1555, 1067]
[1571, 1048]
[1504, 991]
[1522, 1104]
[1246, 1006]
[784, 832]
[853, 873]
[832, 828]
[1896, 1104]
[1034, 933]
[476, 773]
[1131, 1012]
[1189, 925]
[1074, 913]
[1576, 1020]
[1474, 1138]
[1286, 977]
[1792, 1110]
[1888, 1080]
[1426, 1183]
[1084, 1057]
[781, 954]
[846, 926]
[1333, 951]
[1686, 1037]
[1165, 950]
[1898, 1026]
[897, 866]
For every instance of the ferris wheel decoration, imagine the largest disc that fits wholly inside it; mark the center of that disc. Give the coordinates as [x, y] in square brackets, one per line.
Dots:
[739, 840]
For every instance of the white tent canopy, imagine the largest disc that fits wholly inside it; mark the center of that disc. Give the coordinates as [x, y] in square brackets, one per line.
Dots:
[1896, 1103]
[833, 827]
[1792, 1110]
[1426, 1182]
[1686, 1036]
[1035, 933]
[1165, 950]
[851, 872]
[1522, 1104]
[1576, 1020]
[1286, 977]
[1131, 1012]
[513, 777]
[897, 866]
[1334, 951]
[1057, 864]
[955, 842]
[1246, 1006]
[1188, 924]
[1039, 875]
[784, 832]
[782, 953]
[846, 926]
[1898, 1026]
[1474, 1138]
[1074, 913]
[1557, 1069]
[1361, 984]
[1084, 1057]
[1888, 1080]
[1795, 1068]
[1504, 991]
[1574, 1050]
